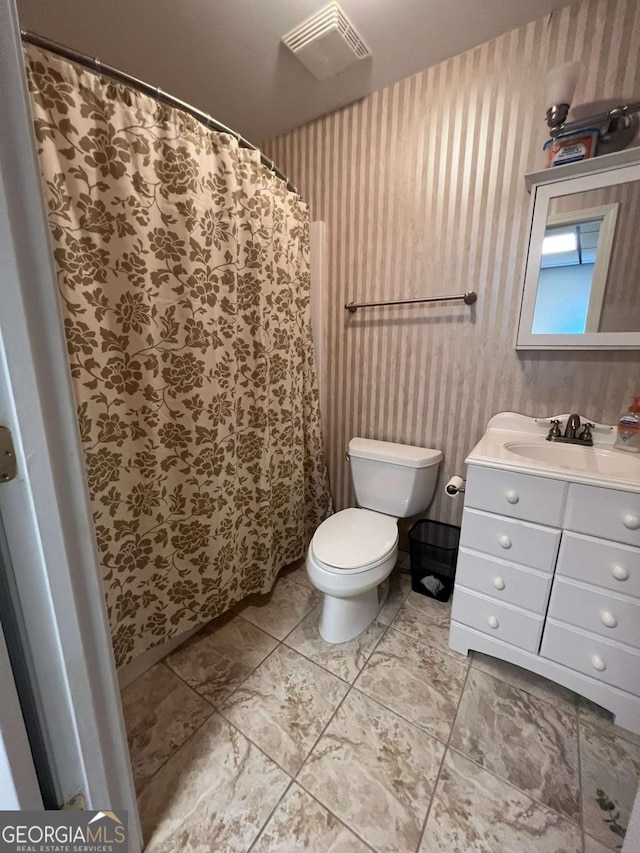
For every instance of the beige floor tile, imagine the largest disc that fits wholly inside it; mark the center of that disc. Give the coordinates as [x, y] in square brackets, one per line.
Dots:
[281, 610]
[284, 706]
[592, 845]
[160, 713]
[421, 684]
[343, 659]
[375, 772]
[372, 772]
[527, 681]
[300, 824]
[528, 742]
[217, 659]
[593, 713]
[475, 812]
[610, 773]
[427, 620]
[214, 794]
[297, 572]
[399, 589]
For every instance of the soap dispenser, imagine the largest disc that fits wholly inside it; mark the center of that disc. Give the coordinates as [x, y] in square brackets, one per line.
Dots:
[628, 437]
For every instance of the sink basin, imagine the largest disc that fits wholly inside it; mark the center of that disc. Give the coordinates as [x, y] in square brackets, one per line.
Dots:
[572, 457]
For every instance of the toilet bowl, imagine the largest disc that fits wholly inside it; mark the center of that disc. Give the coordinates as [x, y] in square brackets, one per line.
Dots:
[353, 552]
[350, 556]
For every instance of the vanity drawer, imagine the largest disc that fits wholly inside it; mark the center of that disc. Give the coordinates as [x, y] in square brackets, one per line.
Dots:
[525, 496]
[516, 541]
[506, 623]
[604, 512]
[503, 581]
[597, 561]
[595, 610]
[592, 655]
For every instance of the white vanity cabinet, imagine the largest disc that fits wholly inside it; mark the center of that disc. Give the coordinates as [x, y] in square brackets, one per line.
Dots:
[548, 578]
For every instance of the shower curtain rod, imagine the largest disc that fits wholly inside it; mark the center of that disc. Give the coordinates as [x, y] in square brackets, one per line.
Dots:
[94, 64]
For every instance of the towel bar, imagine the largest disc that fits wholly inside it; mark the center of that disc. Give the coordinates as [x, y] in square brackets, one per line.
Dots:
[469, 298]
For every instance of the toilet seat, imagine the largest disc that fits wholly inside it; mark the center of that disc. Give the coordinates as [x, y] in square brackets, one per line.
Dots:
[354, 540]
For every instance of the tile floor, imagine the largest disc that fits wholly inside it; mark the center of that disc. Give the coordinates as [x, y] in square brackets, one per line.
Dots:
[255, 735]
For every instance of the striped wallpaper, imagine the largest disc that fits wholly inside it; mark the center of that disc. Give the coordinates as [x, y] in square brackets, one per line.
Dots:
[421, 186]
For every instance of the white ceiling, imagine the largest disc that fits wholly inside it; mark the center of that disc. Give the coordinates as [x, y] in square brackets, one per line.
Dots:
[225, 56]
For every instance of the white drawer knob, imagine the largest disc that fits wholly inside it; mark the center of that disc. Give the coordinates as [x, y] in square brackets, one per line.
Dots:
[504, 541]
[631, 521]
[498, 583]
[492, 622]
[512, 496]
[608, 619]
[619, 573]
[598, 663]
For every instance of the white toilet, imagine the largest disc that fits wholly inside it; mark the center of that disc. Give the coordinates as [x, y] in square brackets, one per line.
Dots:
[353, 552]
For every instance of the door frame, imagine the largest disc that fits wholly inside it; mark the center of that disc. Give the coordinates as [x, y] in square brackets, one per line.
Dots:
[46, 509]
[19, 788]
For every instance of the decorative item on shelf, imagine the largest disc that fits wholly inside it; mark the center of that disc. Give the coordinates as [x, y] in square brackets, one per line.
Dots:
[599, 127]
[572, 147]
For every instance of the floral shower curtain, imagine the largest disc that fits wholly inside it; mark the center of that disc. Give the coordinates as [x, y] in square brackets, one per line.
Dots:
[183, 271]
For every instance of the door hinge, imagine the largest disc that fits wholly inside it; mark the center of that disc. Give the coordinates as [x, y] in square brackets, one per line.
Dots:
[8, 467]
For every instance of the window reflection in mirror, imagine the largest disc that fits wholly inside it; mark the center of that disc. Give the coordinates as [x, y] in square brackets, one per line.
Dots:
[565, 283]
[589, 277]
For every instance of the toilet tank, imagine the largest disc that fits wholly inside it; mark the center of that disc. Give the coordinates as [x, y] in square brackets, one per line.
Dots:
[396, 479]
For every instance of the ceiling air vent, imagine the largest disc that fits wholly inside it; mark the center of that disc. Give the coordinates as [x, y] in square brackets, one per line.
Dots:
[326, 43]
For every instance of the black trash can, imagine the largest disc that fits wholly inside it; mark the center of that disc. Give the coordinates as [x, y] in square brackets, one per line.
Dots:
[433, 548]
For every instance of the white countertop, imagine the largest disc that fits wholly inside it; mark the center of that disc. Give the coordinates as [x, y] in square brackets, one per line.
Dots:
[510, 428]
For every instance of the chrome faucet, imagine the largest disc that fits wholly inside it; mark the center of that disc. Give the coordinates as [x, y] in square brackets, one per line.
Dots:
[571, 432]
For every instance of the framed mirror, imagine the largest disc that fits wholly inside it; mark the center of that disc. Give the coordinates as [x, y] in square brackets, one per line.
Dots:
[582, 277]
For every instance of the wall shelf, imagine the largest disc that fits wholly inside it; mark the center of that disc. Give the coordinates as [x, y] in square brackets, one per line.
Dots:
[617, 160]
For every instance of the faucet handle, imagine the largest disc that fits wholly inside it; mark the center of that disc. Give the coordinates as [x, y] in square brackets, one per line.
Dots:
[555, 429]
[585, 435]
